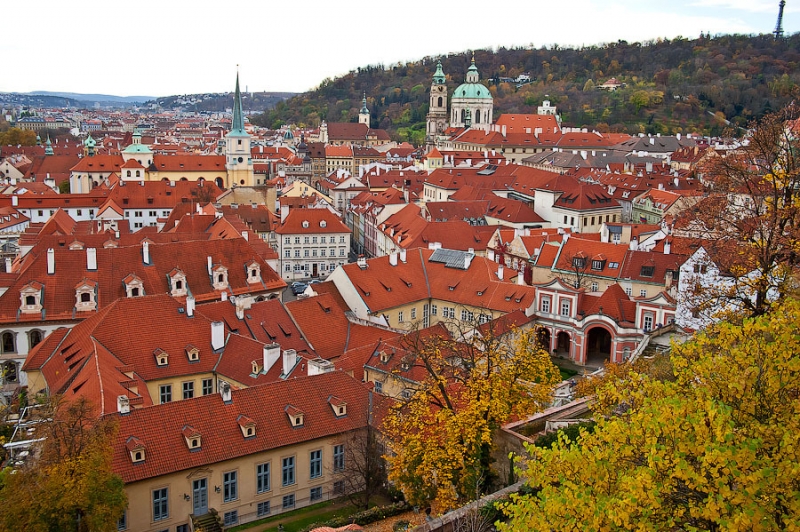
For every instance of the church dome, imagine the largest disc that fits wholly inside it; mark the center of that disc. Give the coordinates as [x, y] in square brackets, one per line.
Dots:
[472, 90]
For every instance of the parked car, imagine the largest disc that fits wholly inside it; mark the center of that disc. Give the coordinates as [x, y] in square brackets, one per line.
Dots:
[314, 281]
[298, 287]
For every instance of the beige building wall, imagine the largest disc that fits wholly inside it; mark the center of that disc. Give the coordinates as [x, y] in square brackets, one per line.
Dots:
[179, 485]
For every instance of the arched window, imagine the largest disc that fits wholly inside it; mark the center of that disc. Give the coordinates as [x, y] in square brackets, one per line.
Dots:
[35, 337]
[134, 292]
[178, 285]
[439, 102]
[138, 174]
[221, 278]
[86, 297]
[8, 342]
[219, 182]
[477, 116]
[30, 300]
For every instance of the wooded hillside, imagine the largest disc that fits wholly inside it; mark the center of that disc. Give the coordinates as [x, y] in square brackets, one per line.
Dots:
[671, 86]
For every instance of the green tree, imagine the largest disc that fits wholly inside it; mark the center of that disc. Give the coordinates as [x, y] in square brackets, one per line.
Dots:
[712, 448]
[442, 436]
[71, 486]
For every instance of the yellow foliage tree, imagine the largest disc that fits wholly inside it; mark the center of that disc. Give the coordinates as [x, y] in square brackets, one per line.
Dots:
[713, 448]
[441, 438]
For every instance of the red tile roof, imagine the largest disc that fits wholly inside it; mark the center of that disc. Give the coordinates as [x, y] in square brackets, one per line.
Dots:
[159, 428]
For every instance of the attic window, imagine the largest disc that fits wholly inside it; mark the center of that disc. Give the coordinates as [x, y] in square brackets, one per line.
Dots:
[323, 223]
[253, 273]
[385, 356]
[31, 298]
[136, 449]
[220, 277]
[178, 282]
[192, 353]
[295, 416]
[162, 358]
[247, 426]
[648, 271]
[192, 438]
[613, 265]
[305, 224]
[579, 262]
[338, 406]
[598, 264]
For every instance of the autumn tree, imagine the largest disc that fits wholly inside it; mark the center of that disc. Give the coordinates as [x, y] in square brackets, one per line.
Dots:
[750, 222]
[714, 447]
[442, 436]
[16, 136]
[68, 483]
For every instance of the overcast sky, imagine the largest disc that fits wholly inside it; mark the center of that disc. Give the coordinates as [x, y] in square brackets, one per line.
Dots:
[166, 47]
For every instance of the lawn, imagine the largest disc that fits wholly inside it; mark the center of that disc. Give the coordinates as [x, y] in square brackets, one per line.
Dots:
[299, 519]
[567, 373]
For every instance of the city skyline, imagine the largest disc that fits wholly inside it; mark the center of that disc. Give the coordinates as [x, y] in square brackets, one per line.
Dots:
[161, 49]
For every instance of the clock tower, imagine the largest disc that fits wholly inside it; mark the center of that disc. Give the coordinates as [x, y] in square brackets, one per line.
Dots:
[437, 110]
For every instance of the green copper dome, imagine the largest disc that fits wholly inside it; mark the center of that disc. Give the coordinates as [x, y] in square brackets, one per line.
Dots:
[90, 142]
[472, 90]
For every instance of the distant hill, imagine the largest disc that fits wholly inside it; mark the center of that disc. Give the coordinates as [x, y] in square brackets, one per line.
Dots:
[670, 86]
[94, 97]
[252, 102]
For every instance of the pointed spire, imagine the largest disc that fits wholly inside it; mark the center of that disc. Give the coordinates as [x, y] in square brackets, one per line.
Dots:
[48, 150]
[238, 119]
[364, 110]
[438, 76]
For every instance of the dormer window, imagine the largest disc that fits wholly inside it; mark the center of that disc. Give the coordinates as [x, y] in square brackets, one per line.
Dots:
[385, 356]
[162, 358]
[295, 416]
[598, 264]
[323, 223]
[247, 426]
[177, 280]
[579, 262]
[256, 367]
[77, 245]
[134, 287]
[136, 449]
[305, 224]
[220, 277]
[648, 271]
[192, 353]
[192, 437]
[31, 298]
[253, 272]
[86, 296]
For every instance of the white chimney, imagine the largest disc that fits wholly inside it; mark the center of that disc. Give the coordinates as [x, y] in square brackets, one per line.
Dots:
[284, 212]
[8, 264]
[123, 404]
[190, 306]
[209, 261]
[272, 352]
[634, 244]
[667, 247]
[246, 236]
[91, 259]
[223, 296]
[521, 276]
[225, 391]
[146, 252]
[500, 271]
[393, 258]
[14, 200]
[289, 361]
[403, 255]
[51, 261]
[490, 254]
[217, 335]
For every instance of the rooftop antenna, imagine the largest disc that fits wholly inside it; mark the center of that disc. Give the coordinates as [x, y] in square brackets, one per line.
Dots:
[779, 26]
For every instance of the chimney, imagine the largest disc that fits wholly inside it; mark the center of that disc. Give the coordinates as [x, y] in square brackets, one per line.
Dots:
[123, 404]
[521, 276]
[8, 264]
[490, 254]
[668, 280]
[190, 306]
[14, 200]
[217, 335]
[634, 244]
[223, 296]
[667, 247]
[500, 271]
[362, 262]
[284, 212]
[146, 252]
[272, 352]
[225, 392]
[51, 261]
[289, 361]
[210, 263]
[393, 258]
[403, 255]
[246, 236]
[91, 259]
